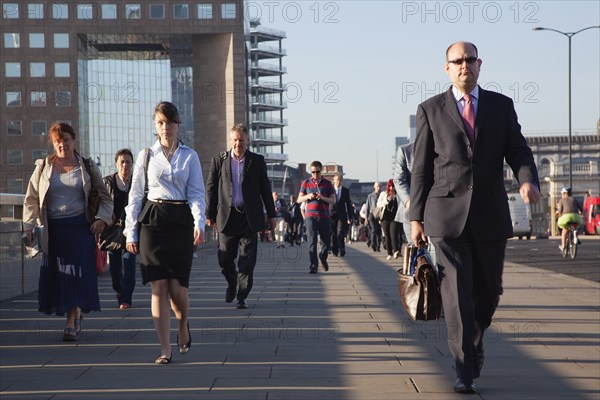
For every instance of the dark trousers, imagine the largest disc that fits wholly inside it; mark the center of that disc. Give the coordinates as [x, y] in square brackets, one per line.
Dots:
[294, 232]
[471, 285]
[339, 230]
[122, 273]
[375, 232]
[315, 228]
[390, 229]
[238, 235]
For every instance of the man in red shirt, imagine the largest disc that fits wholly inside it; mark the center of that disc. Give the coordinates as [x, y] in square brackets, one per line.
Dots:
[319, 194]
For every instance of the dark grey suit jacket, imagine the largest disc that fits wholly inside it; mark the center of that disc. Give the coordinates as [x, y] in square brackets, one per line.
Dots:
[256, 190]
[404, 162]
[451, 181]
[342, 210]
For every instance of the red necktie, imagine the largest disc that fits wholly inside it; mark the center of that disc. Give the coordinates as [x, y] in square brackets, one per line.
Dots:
[468, 116]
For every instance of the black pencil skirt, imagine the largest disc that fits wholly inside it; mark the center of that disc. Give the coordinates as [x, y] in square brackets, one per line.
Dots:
[166, 242]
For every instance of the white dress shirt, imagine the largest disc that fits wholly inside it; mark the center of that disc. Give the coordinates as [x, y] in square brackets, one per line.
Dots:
[180, 179]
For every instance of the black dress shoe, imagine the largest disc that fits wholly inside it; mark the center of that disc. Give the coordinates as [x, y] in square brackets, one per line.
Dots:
[230, 294]
[342, 253]
[323, 258]
[464, 387]
[241, 305]
[313, 270]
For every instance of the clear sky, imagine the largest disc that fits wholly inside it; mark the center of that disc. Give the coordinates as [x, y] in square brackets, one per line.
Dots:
[357, 69]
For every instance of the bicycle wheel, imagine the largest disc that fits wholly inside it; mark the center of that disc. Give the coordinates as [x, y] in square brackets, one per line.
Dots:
[572, 246]
[565, 250]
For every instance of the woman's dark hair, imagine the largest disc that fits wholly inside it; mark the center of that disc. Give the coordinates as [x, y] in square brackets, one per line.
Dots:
[59, 130]
[169, 110]
[123, 152]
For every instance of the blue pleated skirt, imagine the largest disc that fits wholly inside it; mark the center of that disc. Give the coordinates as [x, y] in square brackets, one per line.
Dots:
[68, 275]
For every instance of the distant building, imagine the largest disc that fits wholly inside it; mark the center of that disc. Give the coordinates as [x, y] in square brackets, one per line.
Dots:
[266, 98]
[103, 66]
[551, 157]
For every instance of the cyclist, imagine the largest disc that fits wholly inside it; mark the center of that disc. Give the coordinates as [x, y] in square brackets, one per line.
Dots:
[568, 213]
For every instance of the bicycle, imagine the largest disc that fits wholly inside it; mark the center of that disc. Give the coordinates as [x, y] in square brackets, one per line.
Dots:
[570, 248]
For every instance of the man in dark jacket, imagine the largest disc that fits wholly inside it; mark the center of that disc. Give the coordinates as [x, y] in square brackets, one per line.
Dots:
[237, 190]
[341, 217]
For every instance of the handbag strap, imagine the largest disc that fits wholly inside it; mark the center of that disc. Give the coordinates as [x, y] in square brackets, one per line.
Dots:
[146, 162]
[88, 168]
[413, 262]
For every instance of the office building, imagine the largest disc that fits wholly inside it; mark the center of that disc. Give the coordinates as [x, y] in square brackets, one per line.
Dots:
[102, 66]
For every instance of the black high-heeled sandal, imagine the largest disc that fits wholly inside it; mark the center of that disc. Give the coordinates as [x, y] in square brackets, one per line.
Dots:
[184, 348]
[162, 359]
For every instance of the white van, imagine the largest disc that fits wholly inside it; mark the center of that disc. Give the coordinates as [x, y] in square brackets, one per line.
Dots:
[520, 214]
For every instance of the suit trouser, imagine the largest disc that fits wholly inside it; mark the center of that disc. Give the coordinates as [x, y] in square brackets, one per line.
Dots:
[339, 230]
[294, 231]
[238, 235]
[471, 285]
[375, 230]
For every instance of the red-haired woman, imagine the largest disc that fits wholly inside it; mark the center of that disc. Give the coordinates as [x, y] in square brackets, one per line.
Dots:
[388, 200]
[57, 198]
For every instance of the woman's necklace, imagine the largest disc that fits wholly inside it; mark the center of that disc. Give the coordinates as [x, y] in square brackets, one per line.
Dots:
[172, 149]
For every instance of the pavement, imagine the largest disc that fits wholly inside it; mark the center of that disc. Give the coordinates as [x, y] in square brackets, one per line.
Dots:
[340, 335]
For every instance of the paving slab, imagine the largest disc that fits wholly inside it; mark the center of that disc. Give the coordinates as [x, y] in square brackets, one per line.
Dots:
[339, 335]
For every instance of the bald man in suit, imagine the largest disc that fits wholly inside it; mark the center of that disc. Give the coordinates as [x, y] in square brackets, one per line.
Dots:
[458, 200]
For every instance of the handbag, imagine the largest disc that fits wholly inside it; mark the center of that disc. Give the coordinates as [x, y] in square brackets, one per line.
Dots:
[378, 213]
[112, 239]
[101, 264]
[35, 244]
[419, 287]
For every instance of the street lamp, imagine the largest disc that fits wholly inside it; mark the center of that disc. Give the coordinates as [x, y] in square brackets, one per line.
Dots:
[569, 35]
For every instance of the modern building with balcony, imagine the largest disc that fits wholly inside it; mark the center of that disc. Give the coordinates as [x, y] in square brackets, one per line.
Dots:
[266, 99]
[102, 66]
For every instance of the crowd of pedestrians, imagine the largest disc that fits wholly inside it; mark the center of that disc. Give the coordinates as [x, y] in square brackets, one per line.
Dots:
[165, 205]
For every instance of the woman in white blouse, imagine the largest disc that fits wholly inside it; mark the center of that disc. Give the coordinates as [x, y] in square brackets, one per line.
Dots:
[165, 230]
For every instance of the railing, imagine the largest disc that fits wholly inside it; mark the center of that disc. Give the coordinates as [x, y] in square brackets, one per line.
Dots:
[269, 85]
[268, 31]
[274, 156]
[270, 49]
[269, 102]
[19, 274]
[271, 138]
[269, 119]
[268, 67]
[579, 169]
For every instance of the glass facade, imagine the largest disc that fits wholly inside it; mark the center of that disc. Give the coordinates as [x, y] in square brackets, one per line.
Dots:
[121, 92]
[12, 40]
[102, 66]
